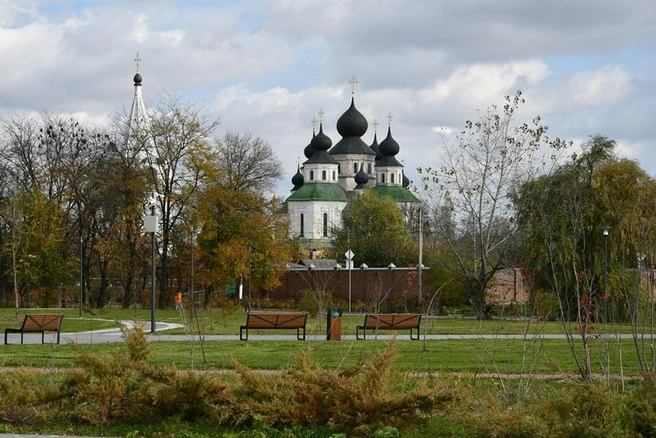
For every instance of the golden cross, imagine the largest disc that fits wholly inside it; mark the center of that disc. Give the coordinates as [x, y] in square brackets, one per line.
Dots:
[137, 60]
[353, 83]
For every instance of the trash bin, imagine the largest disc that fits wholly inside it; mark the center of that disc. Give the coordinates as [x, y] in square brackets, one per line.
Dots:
[334, 324]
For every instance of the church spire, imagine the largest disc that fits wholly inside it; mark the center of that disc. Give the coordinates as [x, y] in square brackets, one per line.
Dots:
[138, 110]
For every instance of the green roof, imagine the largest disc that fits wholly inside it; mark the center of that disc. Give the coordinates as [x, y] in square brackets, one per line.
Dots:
[397, 193]
[319, 192]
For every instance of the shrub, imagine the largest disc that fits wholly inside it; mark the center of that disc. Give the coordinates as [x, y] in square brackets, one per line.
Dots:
[360, 399]
[124, 388]
[25, 398]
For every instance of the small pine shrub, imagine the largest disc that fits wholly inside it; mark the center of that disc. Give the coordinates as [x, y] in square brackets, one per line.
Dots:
[126, 389]
[192, 396]
[639, 413]
[360, 399]
[24, 399]
[137, 343]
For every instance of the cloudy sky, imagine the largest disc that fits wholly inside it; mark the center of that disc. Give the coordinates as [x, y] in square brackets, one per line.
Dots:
[268, 66]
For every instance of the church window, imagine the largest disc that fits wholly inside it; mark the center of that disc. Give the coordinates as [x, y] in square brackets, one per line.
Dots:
[392, 178]
[355, 167]
[325, 225]
[323, 175]
[382, 178]
[369, 169]
[334, 176]
[302, 224]
[312, 175]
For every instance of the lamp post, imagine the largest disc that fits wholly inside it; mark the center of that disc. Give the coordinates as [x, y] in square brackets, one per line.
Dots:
[605, 232]
[81, 291]
[150, 224]
[364, 267]
[641, 268]
[349, 263]
[420, 265]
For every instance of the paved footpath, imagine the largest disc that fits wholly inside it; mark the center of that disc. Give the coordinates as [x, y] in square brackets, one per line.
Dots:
[115, 335]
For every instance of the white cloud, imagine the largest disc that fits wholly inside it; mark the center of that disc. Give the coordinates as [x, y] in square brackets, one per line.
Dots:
[172, 37]
[601, 87]
[484, 83]
[140, 29]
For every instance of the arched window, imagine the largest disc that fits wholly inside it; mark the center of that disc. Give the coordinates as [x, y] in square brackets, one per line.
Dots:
[369, 169]
[323, 175]
[392, 178]
[325, 225]
[355, 167]
[302, 225]
[312, 175]
[334, 176]
[382, 178]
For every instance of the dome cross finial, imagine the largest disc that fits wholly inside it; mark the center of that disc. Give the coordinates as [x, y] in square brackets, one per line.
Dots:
[375, 124]
[313, 122]
[354, 83]
[321, 114]
[389, 119]
[137, 61]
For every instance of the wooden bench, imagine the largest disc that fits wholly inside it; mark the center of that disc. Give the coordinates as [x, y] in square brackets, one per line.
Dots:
[40, 323]
[390, 321]
[274, 320]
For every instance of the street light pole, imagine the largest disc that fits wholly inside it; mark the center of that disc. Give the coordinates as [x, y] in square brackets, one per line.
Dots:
[153, 276]
[349, 261]
[150, 224]
[420, 266]
[606, 297]
[81, 291]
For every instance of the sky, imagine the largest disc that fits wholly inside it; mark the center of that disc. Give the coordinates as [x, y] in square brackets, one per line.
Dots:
[268, 67]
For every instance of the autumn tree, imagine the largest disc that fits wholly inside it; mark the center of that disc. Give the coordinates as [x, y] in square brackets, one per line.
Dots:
[242, 236]
[51, 156]
[247, 163]
[589, 234]
[174, 132]
[476, 175]
[374, 228]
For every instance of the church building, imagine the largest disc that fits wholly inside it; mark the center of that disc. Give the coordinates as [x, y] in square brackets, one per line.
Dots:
[331, 175]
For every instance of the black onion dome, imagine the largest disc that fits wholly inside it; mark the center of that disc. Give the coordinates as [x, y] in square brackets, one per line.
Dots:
[352, 123]
[321, 142]
[137, 79]
[298, 179]
[376, 147]
[361, 178]
[308, 151]
[389, 147]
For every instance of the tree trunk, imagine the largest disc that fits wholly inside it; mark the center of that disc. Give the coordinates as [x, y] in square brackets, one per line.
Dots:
[479, 305]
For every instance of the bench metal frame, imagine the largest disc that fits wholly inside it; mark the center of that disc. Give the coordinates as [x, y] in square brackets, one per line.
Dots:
[275, 321]
[38, 323]
[390, 321]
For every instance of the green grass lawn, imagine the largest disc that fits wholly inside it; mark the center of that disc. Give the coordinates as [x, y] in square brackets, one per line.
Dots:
[443, 356]
[220, 322]
[72, 323]
[432, 356]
